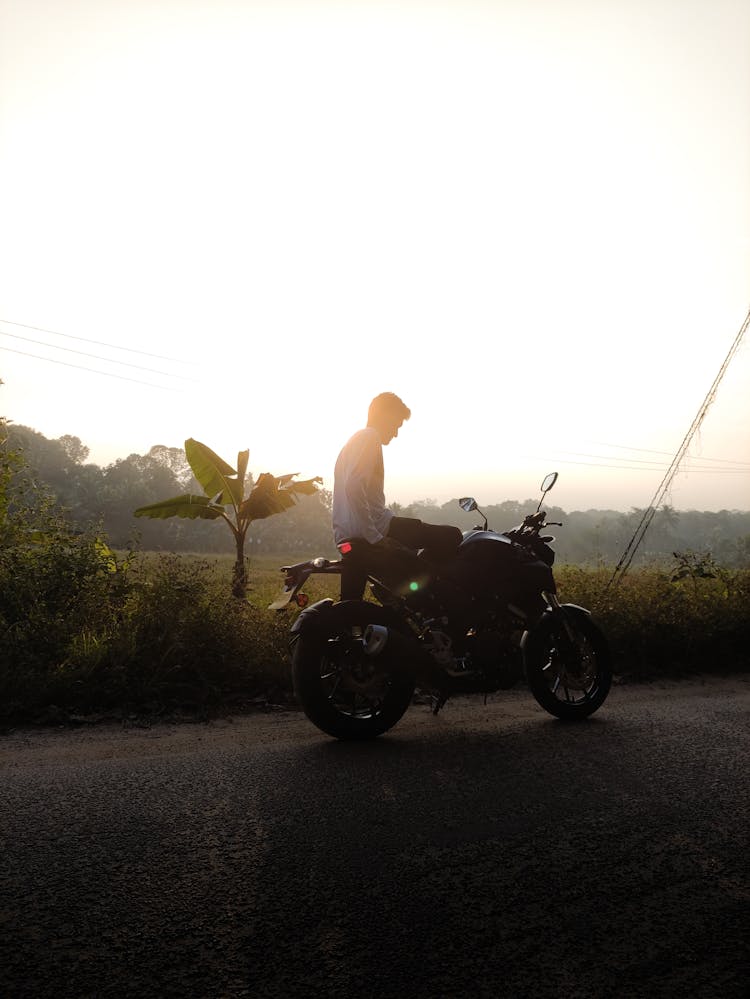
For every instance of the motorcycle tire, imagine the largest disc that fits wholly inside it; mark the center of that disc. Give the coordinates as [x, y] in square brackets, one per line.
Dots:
[344, 692]
[568, 669]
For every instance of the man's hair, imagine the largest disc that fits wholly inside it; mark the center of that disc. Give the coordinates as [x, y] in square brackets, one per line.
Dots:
[387, 404]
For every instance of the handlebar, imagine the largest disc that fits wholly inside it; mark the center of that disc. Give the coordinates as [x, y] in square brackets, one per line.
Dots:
[534, 519]
[533, 524]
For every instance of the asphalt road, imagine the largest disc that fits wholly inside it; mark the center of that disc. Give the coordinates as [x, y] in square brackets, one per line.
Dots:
[491, 851]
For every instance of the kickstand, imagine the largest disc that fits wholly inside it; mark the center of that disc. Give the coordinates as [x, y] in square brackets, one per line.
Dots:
[438, 701]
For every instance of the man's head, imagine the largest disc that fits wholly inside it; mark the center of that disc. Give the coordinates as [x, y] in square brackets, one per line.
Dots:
[386, 414]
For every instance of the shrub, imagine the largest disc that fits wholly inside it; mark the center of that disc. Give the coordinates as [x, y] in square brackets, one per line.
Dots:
[188, 642]
[663, 622]
[86, 634]
[60, 600]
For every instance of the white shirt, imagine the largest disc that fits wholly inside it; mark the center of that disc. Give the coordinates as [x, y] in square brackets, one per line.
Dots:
[359, 509]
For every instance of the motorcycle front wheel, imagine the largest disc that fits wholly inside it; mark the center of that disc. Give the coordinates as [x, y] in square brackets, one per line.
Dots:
[568, 664]
[343, 691]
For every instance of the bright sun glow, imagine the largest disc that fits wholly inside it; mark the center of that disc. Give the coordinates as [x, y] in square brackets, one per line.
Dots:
[528, 219]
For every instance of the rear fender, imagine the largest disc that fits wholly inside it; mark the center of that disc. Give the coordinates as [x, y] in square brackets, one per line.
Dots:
[328, 618]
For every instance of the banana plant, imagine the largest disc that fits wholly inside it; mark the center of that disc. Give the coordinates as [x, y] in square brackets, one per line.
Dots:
[225, 499]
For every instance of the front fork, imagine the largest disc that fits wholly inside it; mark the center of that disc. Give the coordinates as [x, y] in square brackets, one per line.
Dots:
[559, 613]
[570, 650]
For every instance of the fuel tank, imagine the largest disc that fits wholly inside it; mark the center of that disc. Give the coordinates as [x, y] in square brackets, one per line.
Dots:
[486, 560]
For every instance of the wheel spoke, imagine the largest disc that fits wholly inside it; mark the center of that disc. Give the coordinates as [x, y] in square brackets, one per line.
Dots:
[335, 688]
[354, 703]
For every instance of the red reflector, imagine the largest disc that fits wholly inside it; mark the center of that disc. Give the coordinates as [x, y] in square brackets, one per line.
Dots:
[345, 547]
[302, 600]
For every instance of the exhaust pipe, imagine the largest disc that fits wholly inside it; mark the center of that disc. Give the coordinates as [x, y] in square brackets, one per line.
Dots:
[375, 639]
[403, 652]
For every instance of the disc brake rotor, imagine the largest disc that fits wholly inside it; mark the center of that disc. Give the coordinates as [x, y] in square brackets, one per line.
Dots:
[575, 669]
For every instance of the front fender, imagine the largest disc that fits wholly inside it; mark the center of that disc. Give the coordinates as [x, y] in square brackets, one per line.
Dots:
[545, 622]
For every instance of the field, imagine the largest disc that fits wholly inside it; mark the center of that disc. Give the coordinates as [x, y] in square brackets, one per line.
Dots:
[155, 635]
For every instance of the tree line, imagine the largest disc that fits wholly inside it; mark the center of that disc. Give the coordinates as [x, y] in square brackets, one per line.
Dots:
[107, 497]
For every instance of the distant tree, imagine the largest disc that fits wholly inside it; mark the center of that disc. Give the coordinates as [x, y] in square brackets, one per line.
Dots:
[26, 507]
[137, 481]
[10, 463]
[74, 448]
[743, 552]
[175, 459]
[662, 530]
[85, 495]
[47, 462]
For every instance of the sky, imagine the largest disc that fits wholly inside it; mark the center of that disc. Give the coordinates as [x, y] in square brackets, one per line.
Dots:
[239, 221]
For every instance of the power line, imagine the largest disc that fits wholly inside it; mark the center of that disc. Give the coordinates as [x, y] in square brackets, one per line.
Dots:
[645, 450]
[648, 515]
[100, 343]
[634, 468]
[98, 357]
[648, 461]
[81, 367]
[608, 457]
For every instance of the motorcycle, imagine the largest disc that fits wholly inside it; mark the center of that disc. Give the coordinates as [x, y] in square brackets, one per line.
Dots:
[477, 623]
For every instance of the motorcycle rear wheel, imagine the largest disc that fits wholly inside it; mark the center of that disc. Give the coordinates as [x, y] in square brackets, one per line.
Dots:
[344, 692]
[568, 669]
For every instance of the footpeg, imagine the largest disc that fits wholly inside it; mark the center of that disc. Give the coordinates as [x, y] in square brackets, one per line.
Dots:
[438, 702]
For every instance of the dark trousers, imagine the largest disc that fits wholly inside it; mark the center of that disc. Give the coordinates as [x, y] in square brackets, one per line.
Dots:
[394, 560]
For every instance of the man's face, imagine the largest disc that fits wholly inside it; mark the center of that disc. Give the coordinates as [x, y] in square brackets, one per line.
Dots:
[388, 428]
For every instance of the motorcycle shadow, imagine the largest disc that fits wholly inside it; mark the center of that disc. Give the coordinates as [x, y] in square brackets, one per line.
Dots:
[475, 782]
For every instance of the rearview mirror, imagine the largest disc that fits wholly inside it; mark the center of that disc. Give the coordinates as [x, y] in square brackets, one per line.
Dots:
[468, 503]
[549, 481]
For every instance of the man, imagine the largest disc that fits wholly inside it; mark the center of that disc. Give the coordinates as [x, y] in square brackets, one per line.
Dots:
[367, 533]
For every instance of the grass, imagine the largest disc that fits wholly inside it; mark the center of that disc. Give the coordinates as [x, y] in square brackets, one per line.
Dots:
[163, 636]
[656, 626]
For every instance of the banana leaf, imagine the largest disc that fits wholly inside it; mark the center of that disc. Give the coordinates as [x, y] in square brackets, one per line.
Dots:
[194, 507]
[274, 494]
[306, 487]
[214, 474]
[266, 499]
[242, 459]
